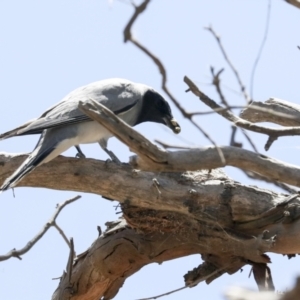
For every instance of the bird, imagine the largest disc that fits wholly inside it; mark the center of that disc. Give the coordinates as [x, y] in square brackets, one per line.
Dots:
[64, 125]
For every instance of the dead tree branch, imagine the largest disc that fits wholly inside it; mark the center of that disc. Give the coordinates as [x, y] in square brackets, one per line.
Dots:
[228, 214]
[128, 37]
[34, 240]
[274, 110]
[271, 132]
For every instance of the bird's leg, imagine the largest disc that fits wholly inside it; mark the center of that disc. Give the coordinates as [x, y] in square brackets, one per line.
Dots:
[79, 154]
[103, 145]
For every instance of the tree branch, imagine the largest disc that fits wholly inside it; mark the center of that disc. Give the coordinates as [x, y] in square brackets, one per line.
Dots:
[34, 240]
[234, 70]
[274, 110]
[271, 132]
[128, 37]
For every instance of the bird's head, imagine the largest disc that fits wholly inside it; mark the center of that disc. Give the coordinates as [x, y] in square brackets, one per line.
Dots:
[156, 109]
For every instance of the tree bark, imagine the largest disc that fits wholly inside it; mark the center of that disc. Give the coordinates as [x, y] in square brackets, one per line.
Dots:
[176, 212]
[168, 215]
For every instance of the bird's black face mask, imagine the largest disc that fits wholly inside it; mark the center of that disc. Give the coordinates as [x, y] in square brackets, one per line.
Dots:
[156, 109]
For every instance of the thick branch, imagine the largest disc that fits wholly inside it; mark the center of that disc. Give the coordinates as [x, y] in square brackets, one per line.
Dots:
[156, 159]
[67, 172]
[216, 210]
[179, 192]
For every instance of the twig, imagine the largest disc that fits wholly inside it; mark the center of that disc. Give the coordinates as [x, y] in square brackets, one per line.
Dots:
[209, 112]
[128, 37]
[261, 48]
[69, 267]
[216, 83]
[164, 294]
[242, 86]
[61, 232]
[246, 135]
[34, 240]
[233, 143]
[200, 279]
[270, 141]
[271, 132]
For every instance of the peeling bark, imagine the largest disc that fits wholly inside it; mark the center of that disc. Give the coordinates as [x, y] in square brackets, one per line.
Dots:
[203, 212]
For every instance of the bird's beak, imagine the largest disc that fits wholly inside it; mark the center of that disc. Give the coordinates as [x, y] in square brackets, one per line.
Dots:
[172, 123]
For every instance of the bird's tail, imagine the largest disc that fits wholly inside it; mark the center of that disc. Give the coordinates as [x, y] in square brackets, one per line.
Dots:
[16, 177]
[31, 162]
[14, 132]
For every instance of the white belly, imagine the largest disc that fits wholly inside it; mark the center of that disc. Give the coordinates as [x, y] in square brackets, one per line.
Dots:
[90, 132]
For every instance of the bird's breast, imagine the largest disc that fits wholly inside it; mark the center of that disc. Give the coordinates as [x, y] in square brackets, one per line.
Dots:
[91, 132]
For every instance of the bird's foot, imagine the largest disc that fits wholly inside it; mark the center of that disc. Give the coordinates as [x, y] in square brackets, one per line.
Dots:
[112, 156]
[79, 154]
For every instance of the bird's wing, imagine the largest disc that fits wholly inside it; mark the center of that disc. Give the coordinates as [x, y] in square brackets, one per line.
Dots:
[118, 96]
[14, 132]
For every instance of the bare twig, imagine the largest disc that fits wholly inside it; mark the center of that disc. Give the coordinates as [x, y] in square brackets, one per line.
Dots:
[202, 278]
[209, 112]
[271, 132]
[260, 48]
[61, 232]
[164, 294]
[216, 82]
[128, 37]
[69, 267]
[34, 240]
[236, 73]
[249, 140]
[233, 142]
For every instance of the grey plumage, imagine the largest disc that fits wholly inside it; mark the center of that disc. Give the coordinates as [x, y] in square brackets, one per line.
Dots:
[64, 125]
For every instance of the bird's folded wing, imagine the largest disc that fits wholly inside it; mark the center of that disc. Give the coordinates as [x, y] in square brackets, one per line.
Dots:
[46, 123]
[52, 121]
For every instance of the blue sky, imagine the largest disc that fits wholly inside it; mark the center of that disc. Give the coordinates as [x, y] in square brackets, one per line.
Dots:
[49, 48]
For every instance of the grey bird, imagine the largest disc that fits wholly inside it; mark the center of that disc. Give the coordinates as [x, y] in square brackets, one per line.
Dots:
[64, 125]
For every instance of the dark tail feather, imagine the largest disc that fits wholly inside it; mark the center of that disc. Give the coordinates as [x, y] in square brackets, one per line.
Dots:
[15, 178]
[31, 162]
